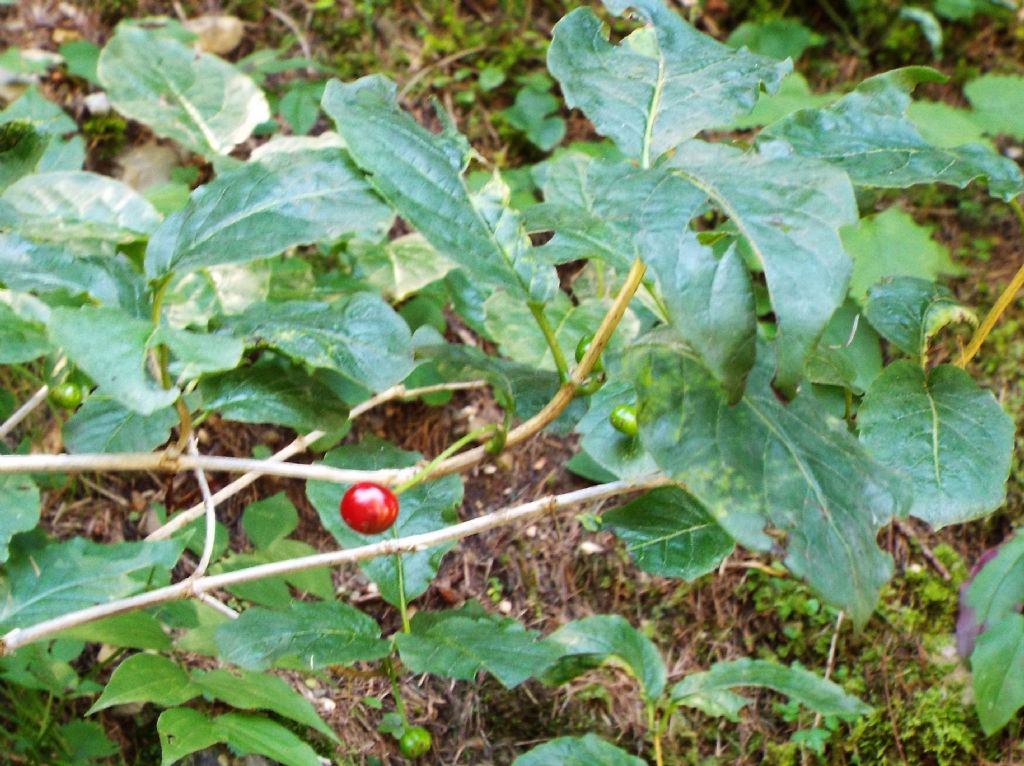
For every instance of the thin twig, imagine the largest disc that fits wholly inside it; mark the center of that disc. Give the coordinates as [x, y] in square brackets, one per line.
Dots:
[218, 605]
[24, 411]
[300, 445]
[210, 509]
[908, 532]
[413, 543]
[449, 59]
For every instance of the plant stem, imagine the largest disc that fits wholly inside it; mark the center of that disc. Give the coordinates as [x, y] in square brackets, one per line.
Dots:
[424, 472]
[537, 309]
[1002, 303]
[654, 726]
[389, 668]
[403, 604]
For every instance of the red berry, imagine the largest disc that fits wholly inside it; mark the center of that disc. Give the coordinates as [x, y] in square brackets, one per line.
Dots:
[369, 508]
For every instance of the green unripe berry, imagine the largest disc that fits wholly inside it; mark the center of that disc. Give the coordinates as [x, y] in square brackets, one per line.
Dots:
[623, 419]
[581, 349]
[415, 743]
[67, 395]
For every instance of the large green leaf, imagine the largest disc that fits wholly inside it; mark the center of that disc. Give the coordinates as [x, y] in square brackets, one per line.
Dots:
[996, 590]
[420, 174]
[65, 150]
[133, 630]
[426, 507]
[19, 508]
[460, 643]
[998, 101]
[184, 731]
[21, 148]
[807, 688]
[949, 435]
[399, 267]
[892, 244]
[661, 85]
[998, 667]
[588, 750]
[772, 475]
[271, 392]
[789, 211]
[849, 353]
[361, 337]
[867, 134]
[118, 365]
[73, 206]
[908, 312]
[104, 425]
[313, 634]
[46, 268]
[668, 533]
[293, 196]
[624, 456]
[41, 582]
[258, 691]
[146, 678]
[196, 99]
[21, 340]
[594, 640]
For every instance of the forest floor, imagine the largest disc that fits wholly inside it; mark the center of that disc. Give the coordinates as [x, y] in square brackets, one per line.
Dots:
[903, 663]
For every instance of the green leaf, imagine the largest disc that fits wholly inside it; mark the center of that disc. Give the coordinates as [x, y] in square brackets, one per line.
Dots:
[269, 520]
[998, 101]
[104, 425]
[607, 209]
[622, 455]
[510, 322]
[892, 244]
[536, 113]
[761, 464]
[594, 640]
[196, 99]
[998, 667]
[997, 590]
[661, 85]
[87, 742]
[710, 303]
[399, 267]
[849, 353]
[461, 642]
[73, 206]
[274, 591]
[64, 149]
[255, 734]
[81, 58]
[809, 689]
[908, 312]
[361, 336]
[588, 750]
[119, 365]
[257, 691]
[867, 134]
[184, 731]
[426, 507]
[45, 269]
[943, 125]
[792, 95]
[420, 174]
[134, 630]
[19, 507]
[670, 534]
[270, 391]
[21, 340]
[21, 148]
[146, 678]
[775, 38]
[51, 580]
[312, 634]
[298, 194]
[949, 435]
[789, 211]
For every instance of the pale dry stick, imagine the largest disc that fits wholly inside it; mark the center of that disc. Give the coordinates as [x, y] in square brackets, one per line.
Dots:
[24, 411]
[567, 392]
[413, 543]
[220, 606]
[170, 463]
[300, 445]
[210, 510]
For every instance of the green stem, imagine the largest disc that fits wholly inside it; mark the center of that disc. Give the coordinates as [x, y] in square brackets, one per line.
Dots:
[537, 309]
[389, 668]
[403, 604]
[469, 438]
[163, 361]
